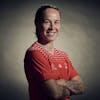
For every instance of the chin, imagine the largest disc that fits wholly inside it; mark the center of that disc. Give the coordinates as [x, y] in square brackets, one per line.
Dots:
[51, 39]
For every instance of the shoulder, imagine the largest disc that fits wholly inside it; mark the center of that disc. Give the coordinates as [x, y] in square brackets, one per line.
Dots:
[36, 56]
[35, 51]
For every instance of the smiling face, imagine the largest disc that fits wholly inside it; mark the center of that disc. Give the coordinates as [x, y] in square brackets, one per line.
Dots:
[49, 27]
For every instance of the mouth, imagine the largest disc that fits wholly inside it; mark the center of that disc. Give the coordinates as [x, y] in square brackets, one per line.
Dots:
[51, 33]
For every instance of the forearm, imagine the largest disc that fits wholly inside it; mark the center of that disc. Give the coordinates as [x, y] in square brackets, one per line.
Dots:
[75, 86]
[63, 92]
[55, 91]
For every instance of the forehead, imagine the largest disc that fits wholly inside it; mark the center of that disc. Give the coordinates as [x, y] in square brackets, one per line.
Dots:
[51, 12]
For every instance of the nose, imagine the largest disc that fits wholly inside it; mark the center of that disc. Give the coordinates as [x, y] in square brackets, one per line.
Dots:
[52, 26]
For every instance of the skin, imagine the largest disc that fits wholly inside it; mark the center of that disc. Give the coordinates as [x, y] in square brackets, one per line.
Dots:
[49, 30]
[75, 85]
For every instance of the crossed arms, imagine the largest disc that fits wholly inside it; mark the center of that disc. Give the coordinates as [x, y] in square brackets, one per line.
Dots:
[56, 89]
[60, 89]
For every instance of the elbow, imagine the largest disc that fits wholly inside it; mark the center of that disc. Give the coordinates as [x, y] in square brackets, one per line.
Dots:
[81, 91]
[78, 91]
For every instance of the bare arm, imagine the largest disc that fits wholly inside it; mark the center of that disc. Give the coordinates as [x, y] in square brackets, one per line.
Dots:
[55, 91]
[75, 85]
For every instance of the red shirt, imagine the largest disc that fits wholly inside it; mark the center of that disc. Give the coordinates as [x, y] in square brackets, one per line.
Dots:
[40, 65]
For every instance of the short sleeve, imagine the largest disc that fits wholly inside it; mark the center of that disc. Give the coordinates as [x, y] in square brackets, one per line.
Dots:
[72, 71]
[39, 65]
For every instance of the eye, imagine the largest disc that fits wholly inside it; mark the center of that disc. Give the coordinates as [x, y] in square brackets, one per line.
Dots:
[46, 21]
[57, 22]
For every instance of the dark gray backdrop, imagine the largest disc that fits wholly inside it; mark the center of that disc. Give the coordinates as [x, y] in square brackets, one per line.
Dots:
[79, 36]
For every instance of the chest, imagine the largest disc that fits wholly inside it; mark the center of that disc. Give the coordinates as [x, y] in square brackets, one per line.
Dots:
[59, 67]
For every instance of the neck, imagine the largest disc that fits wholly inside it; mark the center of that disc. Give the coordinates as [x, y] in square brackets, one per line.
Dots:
[48, 45]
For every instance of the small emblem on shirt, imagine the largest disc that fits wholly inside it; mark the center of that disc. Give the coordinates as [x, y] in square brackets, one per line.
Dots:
[66, 65]
[53, 67]
[60, 66]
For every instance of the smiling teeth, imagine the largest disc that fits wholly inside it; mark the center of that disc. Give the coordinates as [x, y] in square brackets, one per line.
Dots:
[51, 33]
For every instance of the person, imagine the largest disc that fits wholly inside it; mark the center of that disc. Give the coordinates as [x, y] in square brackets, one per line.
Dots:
[49, 71]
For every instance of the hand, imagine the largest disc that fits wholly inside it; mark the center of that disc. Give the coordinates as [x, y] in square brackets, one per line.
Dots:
[61, 82]
[74, 86]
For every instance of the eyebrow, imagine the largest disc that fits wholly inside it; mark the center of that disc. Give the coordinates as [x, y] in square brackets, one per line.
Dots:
[55, 20]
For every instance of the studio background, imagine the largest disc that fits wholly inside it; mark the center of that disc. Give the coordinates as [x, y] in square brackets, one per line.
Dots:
[79, 37]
